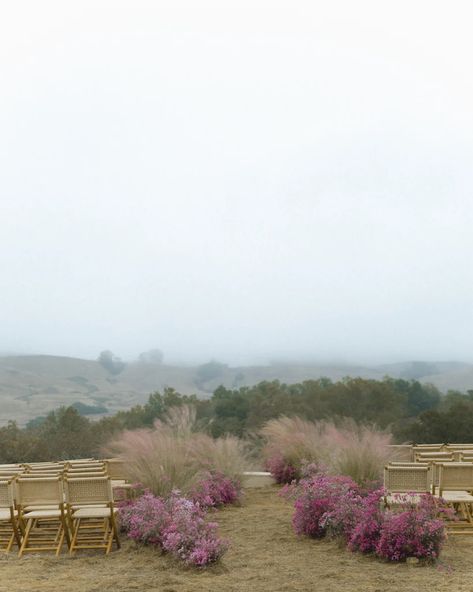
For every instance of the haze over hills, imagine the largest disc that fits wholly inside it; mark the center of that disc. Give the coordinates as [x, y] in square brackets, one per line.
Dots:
[31, 386]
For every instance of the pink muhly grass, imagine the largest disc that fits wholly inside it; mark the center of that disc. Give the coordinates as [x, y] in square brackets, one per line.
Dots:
[281, 470]
[290, 441]
[344, 448]
[173, 456]
[358, 451]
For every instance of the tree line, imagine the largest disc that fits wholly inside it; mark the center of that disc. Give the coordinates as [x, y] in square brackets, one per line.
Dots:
[411, 410]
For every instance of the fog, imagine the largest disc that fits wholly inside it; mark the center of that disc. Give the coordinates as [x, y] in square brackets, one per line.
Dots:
[242, 181]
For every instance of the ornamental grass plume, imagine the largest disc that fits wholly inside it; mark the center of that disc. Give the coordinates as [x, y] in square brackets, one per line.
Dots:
[291, 441]
[359, 451]
[172, 455]
[345, 448]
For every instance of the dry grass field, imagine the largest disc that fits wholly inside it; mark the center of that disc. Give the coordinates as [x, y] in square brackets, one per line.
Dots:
[265, 556]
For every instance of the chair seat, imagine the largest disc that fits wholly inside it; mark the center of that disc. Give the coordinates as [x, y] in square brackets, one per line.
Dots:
[50, 513]
[119, 484]
[92, 512]
[84, 506]
[43, 507]
[5, 514]
[457, 496]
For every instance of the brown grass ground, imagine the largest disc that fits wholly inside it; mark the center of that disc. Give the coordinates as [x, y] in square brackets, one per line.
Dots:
[265, 556]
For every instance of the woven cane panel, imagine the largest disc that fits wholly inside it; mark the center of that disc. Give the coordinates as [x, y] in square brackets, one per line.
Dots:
[33, 492]
[117, 470]
[456, 477]
[406, 479]
[6, 498]
[82, 491]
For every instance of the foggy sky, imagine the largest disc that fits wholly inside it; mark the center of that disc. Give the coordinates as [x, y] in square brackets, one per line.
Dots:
[237, 180]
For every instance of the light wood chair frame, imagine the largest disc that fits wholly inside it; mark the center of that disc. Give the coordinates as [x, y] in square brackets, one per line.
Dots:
[91, 513]
[9, 528]
[42, 514]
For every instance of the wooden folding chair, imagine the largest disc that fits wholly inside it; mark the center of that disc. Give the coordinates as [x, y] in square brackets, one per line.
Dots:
[9, 532]
[121, 486]
[456, 488]
[41, 511]
[92, 513]
[412, 481]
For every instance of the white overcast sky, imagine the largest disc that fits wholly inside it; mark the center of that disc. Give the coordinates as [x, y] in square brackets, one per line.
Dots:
[239, 180]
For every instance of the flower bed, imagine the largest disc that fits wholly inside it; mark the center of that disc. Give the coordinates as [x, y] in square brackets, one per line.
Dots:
[176, 525]
[337, 507]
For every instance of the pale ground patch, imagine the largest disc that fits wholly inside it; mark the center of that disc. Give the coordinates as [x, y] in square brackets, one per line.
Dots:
[265, 556]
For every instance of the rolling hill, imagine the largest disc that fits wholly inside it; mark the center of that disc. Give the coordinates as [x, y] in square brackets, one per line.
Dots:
[31, 386]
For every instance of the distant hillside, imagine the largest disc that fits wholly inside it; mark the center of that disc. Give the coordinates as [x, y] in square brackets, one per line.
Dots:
[31, 386]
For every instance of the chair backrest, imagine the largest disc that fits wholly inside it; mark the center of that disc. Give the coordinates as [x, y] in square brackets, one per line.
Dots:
[401, 452]
[40, 475]
[88, 490]
[116, 469]
[455, 476]
[11, 472]
[406, 479]
[39, 491]
[428, 447]
[85, 474]
[6, 494]
[433, 456]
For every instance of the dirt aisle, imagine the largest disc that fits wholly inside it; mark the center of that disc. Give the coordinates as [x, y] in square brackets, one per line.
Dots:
[265, 556]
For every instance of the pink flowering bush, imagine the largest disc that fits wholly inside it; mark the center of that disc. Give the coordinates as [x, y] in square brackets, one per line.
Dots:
[215, 489]
[415, 532]
[337, 507]
[145, 519]
[315, 498]
[177, 525]
[189, 537]
[341, 520]
[368, 521]
[282, 470]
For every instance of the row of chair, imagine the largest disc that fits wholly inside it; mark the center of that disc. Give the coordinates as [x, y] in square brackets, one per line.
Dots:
[40, 513]
[113, 468]
[451, 481]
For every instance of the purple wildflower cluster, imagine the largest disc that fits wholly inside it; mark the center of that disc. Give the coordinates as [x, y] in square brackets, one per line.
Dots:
[337, 507]
[215, 489]
[282, 470]
[177, 525]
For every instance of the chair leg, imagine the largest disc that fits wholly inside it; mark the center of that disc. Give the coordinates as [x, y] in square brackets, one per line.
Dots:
[10, 543]
[115, 531]
[60, 542]
[16, 532]
[76, 525]
[65, 529]
[29, 524]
